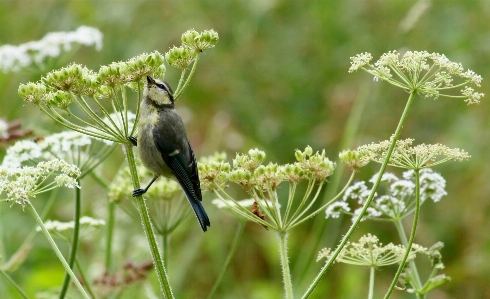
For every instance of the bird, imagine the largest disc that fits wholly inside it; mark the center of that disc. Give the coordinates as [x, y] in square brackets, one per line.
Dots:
[163, 146]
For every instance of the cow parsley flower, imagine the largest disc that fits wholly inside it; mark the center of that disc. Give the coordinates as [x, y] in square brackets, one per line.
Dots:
[395, 202]
[14, 58]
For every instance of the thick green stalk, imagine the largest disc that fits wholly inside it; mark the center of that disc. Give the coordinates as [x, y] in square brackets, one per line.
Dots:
[286, 274]
[75, 238]
[148, 228]
[231, 253]
[368, 201]
[371, 282]
[39, 221]
[412, 237]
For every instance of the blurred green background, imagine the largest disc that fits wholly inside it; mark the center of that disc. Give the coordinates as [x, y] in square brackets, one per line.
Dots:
[277, 80]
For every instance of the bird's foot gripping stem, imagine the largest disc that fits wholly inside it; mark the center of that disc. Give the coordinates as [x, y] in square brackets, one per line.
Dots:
[141, 191]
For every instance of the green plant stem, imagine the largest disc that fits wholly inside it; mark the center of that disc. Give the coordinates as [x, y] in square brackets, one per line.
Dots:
[148, 228]
[286, 275]
[371, 282]
[181, 90]
[368, 201]
[410, 242]
[111, 218]
[231, 253]
[109, 235]
[13, 284]
[84, 279]
[165, 246]
[39, 221]
[75, 238]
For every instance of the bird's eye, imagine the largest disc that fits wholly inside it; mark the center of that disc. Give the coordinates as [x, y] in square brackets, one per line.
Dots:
[162, 86]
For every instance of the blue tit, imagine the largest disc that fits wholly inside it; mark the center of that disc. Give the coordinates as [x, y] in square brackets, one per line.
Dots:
[163, 145]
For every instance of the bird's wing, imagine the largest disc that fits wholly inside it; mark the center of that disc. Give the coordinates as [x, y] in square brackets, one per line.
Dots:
[184, 166]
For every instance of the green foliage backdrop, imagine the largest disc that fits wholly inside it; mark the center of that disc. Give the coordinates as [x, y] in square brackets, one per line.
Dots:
[278, 80]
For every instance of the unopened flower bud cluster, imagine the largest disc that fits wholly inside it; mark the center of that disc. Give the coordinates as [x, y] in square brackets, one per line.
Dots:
[58, 88]
[249, 172]
[193, 43]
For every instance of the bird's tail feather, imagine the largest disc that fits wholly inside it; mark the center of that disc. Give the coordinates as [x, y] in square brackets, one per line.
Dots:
[198, 208]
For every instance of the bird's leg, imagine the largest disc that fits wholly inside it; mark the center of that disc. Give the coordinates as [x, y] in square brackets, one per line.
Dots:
[141, 191]
[133, 140]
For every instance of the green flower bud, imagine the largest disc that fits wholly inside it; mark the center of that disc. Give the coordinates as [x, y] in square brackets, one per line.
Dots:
[180, 57]
[207, 39]
[353, 159]
[189, 38]
[308, 151]
[32, 92]
[299, 156]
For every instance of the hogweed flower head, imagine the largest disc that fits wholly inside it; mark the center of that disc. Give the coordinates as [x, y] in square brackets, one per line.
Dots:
[369, 252]
[20, 184]
[412, 157]
[428, 74]
[213, 172]
[262, 181]
[76, 88]
[354, 159]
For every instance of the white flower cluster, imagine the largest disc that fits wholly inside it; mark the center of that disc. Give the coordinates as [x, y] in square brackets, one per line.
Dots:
[59, 145]
[21, 183]
[368, 251]
[14, 58]
[64, 230]
[398, 201]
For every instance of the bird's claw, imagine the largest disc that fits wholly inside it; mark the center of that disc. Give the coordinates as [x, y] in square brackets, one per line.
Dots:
[138, 192]
[133, 140]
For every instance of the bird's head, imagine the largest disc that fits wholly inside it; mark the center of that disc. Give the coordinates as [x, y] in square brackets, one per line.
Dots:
[158, 91]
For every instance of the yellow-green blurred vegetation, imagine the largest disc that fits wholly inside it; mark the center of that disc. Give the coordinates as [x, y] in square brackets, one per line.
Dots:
[277, 80]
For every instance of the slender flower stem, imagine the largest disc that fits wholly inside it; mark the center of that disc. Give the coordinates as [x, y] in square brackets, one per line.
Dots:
[39, 221]
[286, 275]
[371, 282]
[412, 236]
[368, 201]
[75, 238]
[13, 284]
[231, 253]
[181, 90]
[148, 228]
[84, 280]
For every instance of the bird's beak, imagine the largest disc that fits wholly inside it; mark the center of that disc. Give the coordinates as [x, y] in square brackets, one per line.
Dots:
[150, 80]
